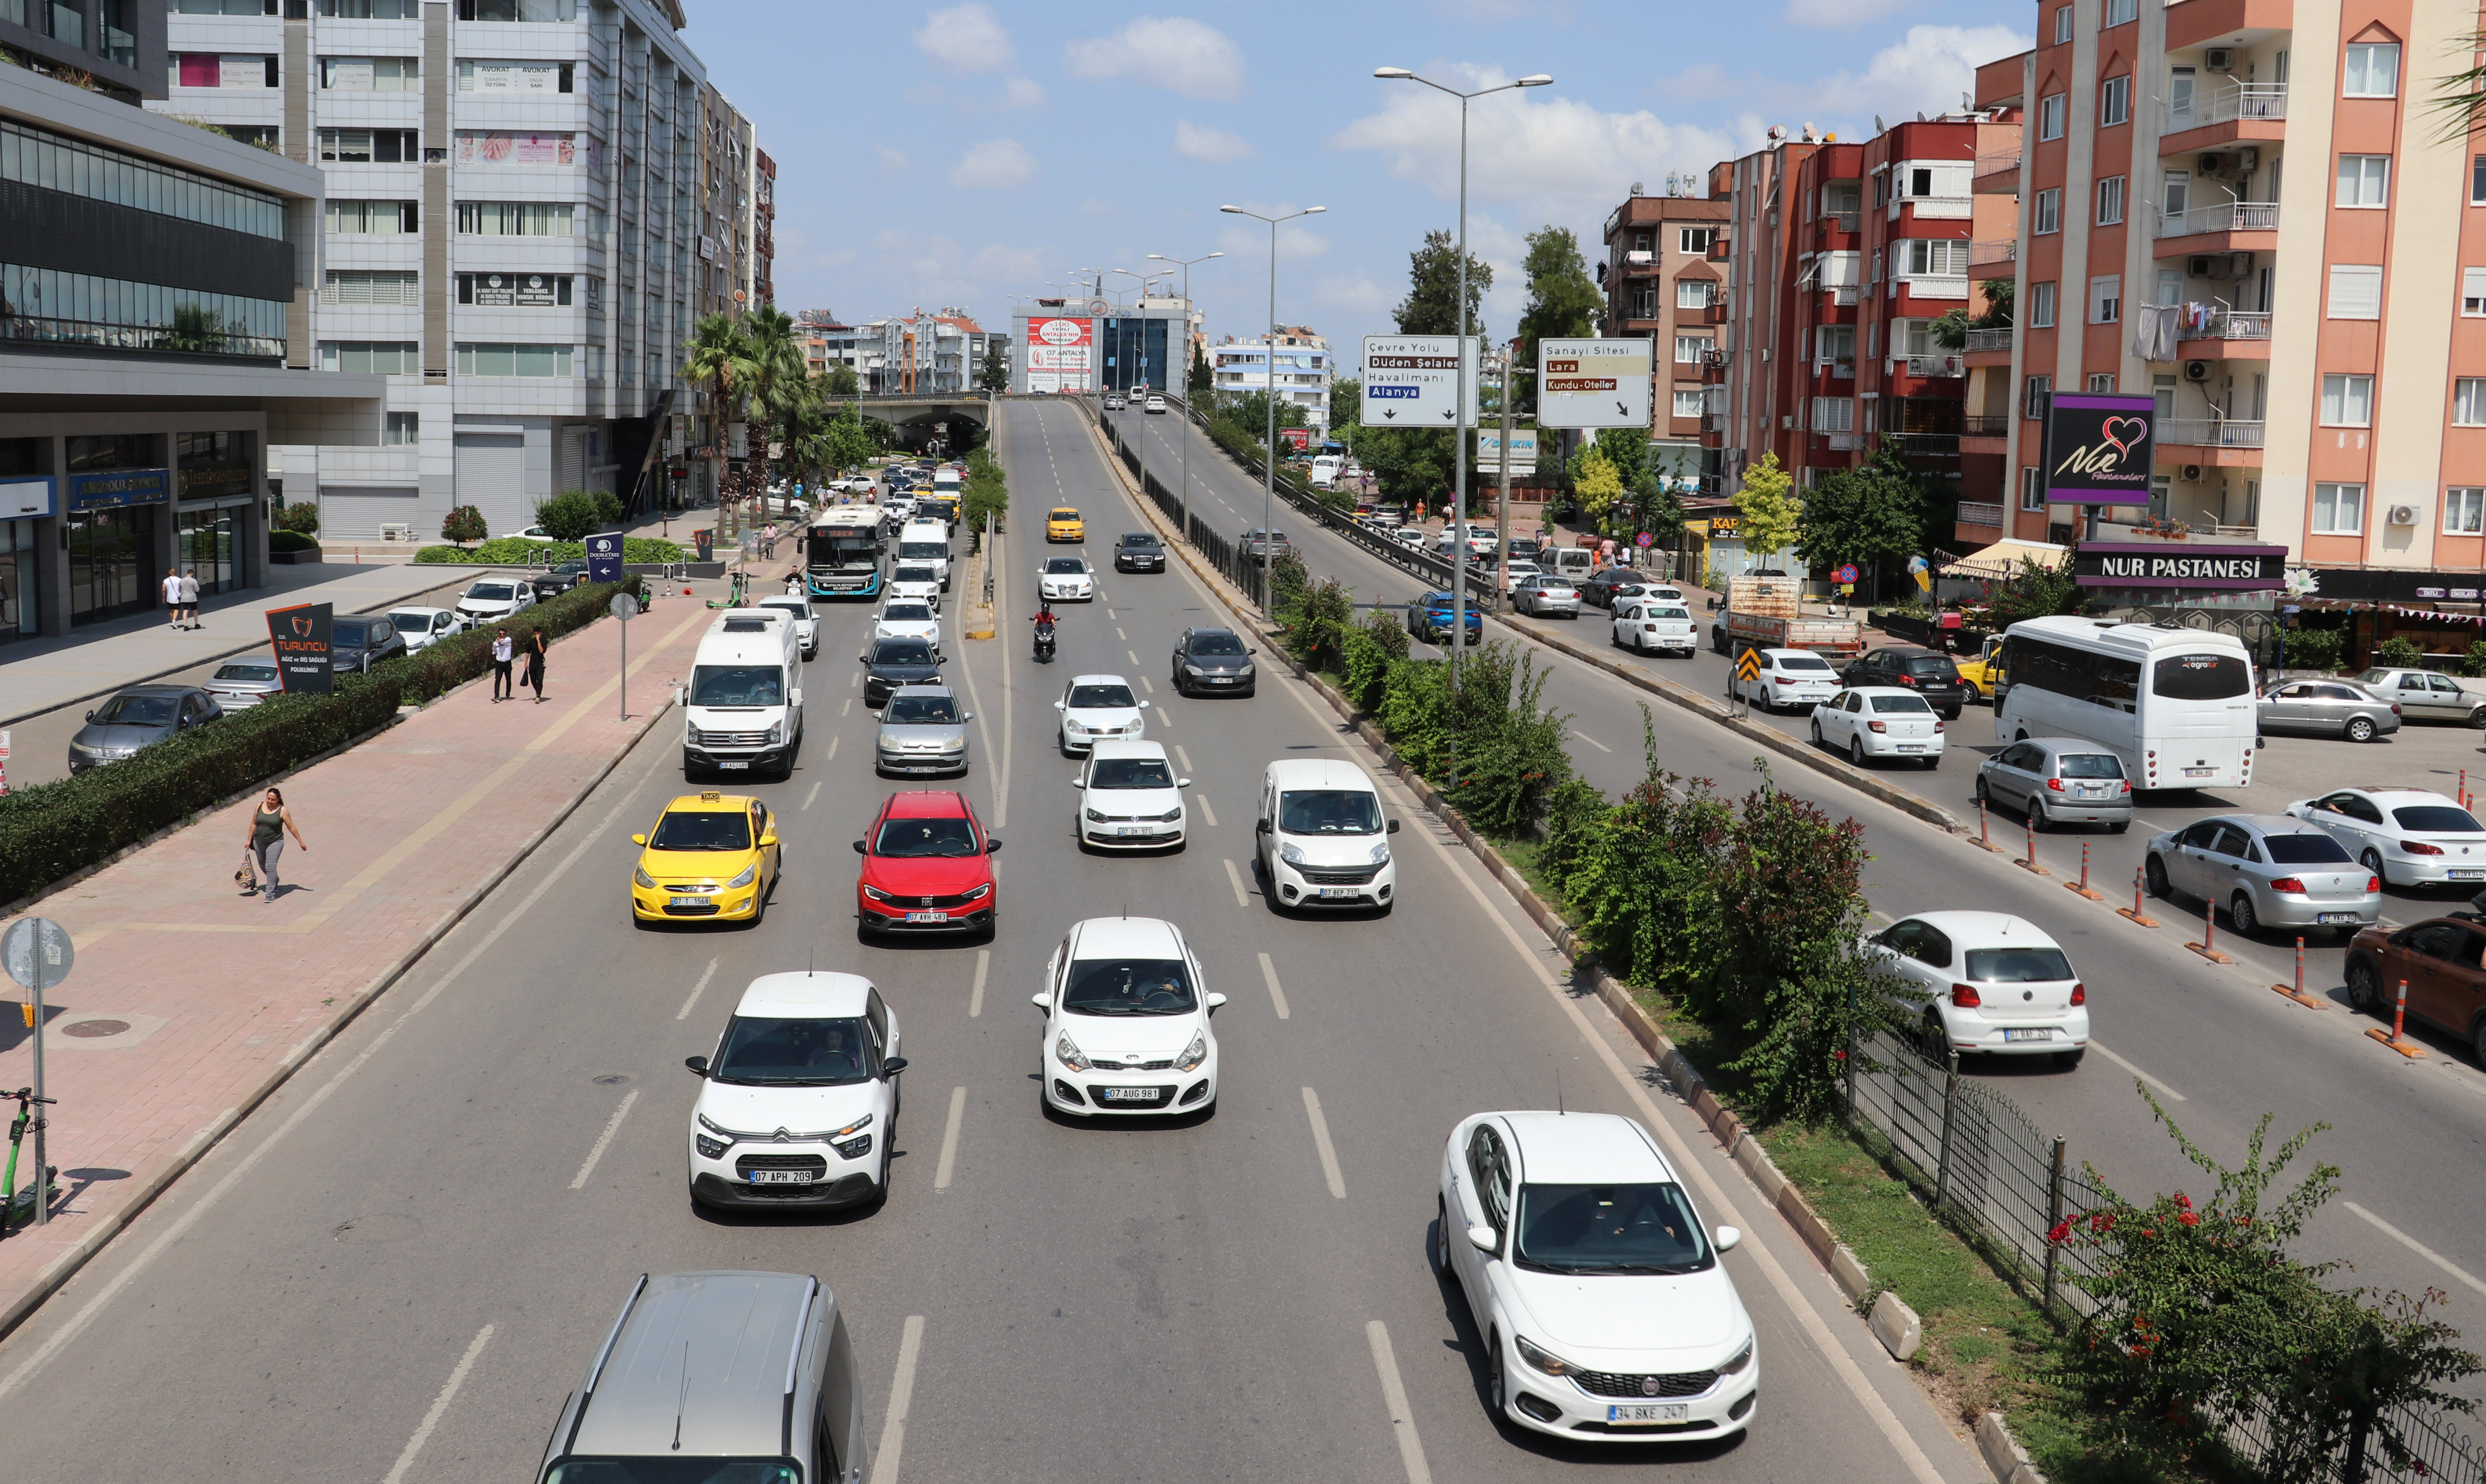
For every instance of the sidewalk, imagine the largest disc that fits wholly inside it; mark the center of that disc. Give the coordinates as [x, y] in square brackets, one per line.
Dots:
[190, 1003]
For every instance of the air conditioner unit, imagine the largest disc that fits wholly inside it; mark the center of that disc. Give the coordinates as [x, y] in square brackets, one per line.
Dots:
[2240, 264]
[2211, 164]
[2403, 515]
[2192, 473]
[2248, 161]
[2198, 266]
[2217, 267]
[2220, 59]
[2196, 370]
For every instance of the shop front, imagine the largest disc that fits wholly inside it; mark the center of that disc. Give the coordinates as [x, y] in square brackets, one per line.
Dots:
[111, 534]
[217, 476]
[2442, 613]
[2224, 586]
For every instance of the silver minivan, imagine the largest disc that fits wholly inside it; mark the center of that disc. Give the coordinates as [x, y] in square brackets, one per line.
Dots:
[747, 1376]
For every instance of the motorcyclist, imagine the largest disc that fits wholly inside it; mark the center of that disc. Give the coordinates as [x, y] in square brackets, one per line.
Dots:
[1043, 622]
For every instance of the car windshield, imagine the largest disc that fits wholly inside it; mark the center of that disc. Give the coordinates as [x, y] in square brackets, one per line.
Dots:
[1803, 661]
[1128, 986]
[1669, 612]
[246, 671]
[2018, 965]
[1095, 697]
[1329, 812]
[1139, 540]
[1068, 564]
[2375, 676]
[1130, 772]
[2307, 850]
[707, 829]
[491, 592]
[351, 636]
[737, 685]
[914, 840]
[921, 710]
[137, 711]
[789, 605]
[1610, 1228]
[2090, 765]
[2435, 819]
[1900, 703]
[923, 551]
[916, 574]
[907, 612]
[412, 622]
[902, 651]
[667, 1469]
[1065, 515]
[764, 1051]
[1216, 644]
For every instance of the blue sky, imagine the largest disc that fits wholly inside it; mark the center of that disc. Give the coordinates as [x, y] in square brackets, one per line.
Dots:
[932, 154]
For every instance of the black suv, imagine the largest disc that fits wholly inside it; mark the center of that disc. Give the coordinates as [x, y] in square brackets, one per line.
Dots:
[1213, 661]
[1915, 669]
[1139, 552]
[894, 662]
[358, 643]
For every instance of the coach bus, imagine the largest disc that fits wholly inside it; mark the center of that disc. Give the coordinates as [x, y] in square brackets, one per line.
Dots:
[2176, 704]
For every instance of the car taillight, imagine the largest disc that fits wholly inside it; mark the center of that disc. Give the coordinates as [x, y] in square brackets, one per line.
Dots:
[2288, 885]
[2056, 784]
[2395, 708]
[2420, 847]
[1964, 996]
[1909, 681]
[2373, 883]
[2127, 785]
[1938, 726]
[2080, 993]
[1878, 725]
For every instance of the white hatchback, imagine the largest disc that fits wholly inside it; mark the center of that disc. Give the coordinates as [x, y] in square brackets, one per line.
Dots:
[1607, 1315]
[490, 598]
[1989, 982]
[799, 1103]
[1098, 709]
[1653, 627]
[807, 626]
[422, 627]
[1129, 798]
[1880, 720]
[1126, 1022]
[908, 619]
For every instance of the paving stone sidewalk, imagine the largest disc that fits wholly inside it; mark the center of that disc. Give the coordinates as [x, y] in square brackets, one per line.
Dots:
[190, 1001]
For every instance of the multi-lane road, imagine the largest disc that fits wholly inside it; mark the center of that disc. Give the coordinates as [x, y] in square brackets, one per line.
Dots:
[397, 1267]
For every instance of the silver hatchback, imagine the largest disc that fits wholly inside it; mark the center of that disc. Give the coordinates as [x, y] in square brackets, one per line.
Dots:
[922, 730]
[2267, 871]
[2058, 781]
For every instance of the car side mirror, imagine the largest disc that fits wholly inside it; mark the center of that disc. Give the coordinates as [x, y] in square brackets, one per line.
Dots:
[769, 838]
[968, 717]
[1485, 1239]
[897, 1065]
[1260, 828]
[1182, 782]
[1076, 782]
[1393, 826]
[1043, 1000]
[1060, 705]
[1214, 1000]
[1251, 651]
[638, 839]
[992, 847]
[862, 659]
[858, 844]
[1725, 1238]
[90, 716]
[696, 1064]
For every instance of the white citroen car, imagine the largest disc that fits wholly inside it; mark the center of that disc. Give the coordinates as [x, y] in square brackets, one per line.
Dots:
[1128, 798]
[1991, 982]
[908, 619]
[1097, 708]
[1069, 579]
[798, 1104]
[1606, 1313]
[1126, 1022]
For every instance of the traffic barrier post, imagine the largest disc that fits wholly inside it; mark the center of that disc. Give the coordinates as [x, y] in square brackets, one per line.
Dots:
[2028, 862]
[2397, 1040]
[1985, 840]
[2298, 993]
[2081, 886]
[2135, 913]
[2208, 947]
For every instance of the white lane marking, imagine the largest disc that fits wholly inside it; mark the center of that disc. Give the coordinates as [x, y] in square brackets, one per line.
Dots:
[901, 1391]
[1591, 741]
[1110, 614]
[603, 1141]
[1205, 810]
[1320, 1141]
[950, 1139]
[439, 1405]
[975, 1002]
[180, 1226]
[813, 796]
[2417, 1247]
[1394, 1392]
[854, 679]
[1148, 685]
[2137, 1072]
[1183, 757]
[833, 750]
[1165, 718]
[1234, 875]
[684, 1013]
[1133, 655]
[848, 708]
[1118, 634]
[1277, 996]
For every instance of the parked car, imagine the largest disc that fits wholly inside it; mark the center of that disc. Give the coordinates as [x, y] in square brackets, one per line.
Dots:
[1546, 594]
[922, 730]
[2438, 960]
[2327, 709]
[539, 535]
[2408, 836]
[1927, 671]
[2424, 696]
[358, 641]
[2266, 870]
[558, 579]
[238, 685]
[139, 716]
[1654, 627]
[422, 627]
[1989, 982]
[1428, 619]
[494, 599]
[1213, 660]
[1880, 722]
[2059, 781]
[1139, 551]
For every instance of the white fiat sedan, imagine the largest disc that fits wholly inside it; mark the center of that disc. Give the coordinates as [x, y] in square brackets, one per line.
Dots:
[1880, 720]
[1606, 1315]
[1126, 1022]
[796, 1106]
[1128, 798]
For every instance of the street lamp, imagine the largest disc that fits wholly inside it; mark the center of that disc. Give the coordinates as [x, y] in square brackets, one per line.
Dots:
[1182, 507]
[1269, 367]
[1459, 486]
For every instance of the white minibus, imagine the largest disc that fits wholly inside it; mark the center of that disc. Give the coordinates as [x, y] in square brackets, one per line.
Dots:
[2176, 704]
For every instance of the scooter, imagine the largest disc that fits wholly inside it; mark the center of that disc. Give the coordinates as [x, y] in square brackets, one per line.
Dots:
[16, 1206]
[1044, 644]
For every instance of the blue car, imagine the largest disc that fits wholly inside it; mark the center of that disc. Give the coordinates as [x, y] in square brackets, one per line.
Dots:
[1428, 619]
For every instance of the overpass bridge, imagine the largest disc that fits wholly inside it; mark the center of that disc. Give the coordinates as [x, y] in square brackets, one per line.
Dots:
[915, 414]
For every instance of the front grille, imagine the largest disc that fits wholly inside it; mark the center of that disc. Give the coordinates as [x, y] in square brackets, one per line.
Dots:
[1107, 1065]
[733, 739]
[816, 1163]
[918, 903]
[709, 910]
[1155, 1098]
[1343, 876]
[1624, 1387]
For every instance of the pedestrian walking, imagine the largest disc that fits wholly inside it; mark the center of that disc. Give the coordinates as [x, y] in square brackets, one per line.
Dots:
[502, 653]
[770, 550]
[536, 648]
[264, 839]
[173, 597]
[190, 597]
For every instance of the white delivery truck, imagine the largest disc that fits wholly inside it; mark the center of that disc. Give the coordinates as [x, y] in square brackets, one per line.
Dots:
[744, 712]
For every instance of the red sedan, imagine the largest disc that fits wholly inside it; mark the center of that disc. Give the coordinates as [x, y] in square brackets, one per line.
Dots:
[926, 867]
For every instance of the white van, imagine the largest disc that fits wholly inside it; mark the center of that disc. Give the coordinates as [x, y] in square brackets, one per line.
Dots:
[925, 541]
[1322, 839]
[1325, 470]
[1574, 563]
[744, 712]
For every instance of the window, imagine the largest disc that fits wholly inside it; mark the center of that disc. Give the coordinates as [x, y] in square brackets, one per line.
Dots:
[2037, 396]
[379, 357]
[208, 69]
[515, 77]
[513, 360]
[359, 286]
[2110, 200]
[2472, 292]
[2464, 510]
[2115, 101]
[1647, 304]
[1873, 337]
[2356, 291]
[2063, 24]
[1694, 292]
[1696, 239]
[516, 147]
[2372, 70]
[2171, 285]
[1834, 342]
[2047, 214]
[1687, 404]
[1833, 415]
[2102, 381]
[2478, 180]
[403, 428]
[2365, 180]
[516, 10]
[1687, 350]
[2118, 12]
[516, 218]
[2161, 391]
[382, 218]
[368, 9]
[2041, 306]
[223, 6]
[2338, 509]
[1936, 258]
[2032, 490]
[371, 74]
[2106, 299]
[2347, 401]
[2050, 116]
[2176, 193]
[522, 290]
[367, 146]
[2468, 401]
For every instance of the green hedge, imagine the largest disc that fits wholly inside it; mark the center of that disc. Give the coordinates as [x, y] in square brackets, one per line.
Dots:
[511, 551]
[290, 540]
[53, 829]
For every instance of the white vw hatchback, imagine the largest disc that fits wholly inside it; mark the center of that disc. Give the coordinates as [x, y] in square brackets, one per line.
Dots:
[1606, 1313]
[1126, 1022]
[799, 1103]
[1128, 798]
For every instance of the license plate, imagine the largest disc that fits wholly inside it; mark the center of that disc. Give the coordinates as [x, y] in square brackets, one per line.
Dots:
[2090, 791]
[927, 916]
[1340, 891]
[2030, 1033]
[2466, 873]
[2199, 772]
[689, 902]
[2334, 917]
[1129, 1094]
[780, 1177]
[731, 763]
[1132, 828]
[1654, 1411]
[1911, 747]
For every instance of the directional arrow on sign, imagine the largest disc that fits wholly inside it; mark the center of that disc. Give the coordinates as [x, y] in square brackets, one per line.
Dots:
[1749, 667]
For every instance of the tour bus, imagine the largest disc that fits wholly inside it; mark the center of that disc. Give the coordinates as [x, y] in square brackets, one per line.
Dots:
[2176, 704]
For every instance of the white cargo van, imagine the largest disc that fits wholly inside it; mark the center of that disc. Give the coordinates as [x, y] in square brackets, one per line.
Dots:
[1325, 471]
[926, 541]
[1323, 840]
[745, 707]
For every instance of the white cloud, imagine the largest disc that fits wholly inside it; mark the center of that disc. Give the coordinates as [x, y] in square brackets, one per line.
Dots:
[1181, 55]
[1354, 294]
[1294, 242]
[1215, 146]
[1928, 70]
[995, 165]
[890, 158]
[968, 37]
[1840, 15]
[1020, 93]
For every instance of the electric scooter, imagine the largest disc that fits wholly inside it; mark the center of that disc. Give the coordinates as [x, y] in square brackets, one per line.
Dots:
[16, 1206]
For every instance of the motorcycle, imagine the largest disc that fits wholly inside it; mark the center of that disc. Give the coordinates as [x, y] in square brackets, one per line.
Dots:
[1044, 644]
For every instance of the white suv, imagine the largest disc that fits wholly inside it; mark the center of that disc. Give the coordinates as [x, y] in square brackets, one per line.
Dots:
[1126, 1022]
[799, 1103]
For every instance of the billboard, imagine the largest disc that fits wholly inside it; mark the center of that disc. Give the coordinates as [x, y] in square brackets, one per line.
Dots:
[1523, 451]
[300, 638]
[1413, 381]
[1593, 383]
[1059, 344]
[2098, 447]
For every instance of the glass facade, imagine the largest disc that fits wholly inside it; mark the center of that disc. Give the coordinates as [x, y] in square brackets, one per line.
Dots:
[207, 547]
[20, 571]
[40, 157]
[45, 304]
[1133, 353]
[111, 548]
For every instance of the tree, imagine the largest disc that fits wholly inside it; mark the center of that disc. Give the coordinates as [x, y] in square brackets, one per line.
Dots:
[196, 328]
[845, 443]
[1562, 301]
[1596, 484]
[995, 375]
[720, 359]
[301, 517]
[1769, 507]
[843, 382]
[1250, 411]
[1432, 303]
[568, 516]
[466, 526]
[1950, 330]
[1201, 382]
[782, 387]
[1872, 513]
[2035, 593]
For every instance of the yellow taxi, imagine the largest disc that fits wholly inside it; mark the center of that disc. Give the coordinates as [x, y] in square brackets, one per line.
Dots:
[1064, 525]
[1977, 675]
[711, 855]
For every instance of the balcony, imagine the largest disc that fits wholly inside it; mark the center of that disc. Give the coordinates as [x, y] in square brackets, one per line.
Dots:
[2219, 440]
[2246, 102]
[1996, 174]
[1718, 359]
[1719, 248]
[1993, 253]
[1980, 342]
[1931, 288]
[1713, 422]
[1843, 443]
[1839, 371]
[1841, 295]
[2227, 334]
[1713, 312]
[1842, 221]
[2231, 225]
[1986, 425]
[1980, 513]
[2192, 23]
[1936, 366]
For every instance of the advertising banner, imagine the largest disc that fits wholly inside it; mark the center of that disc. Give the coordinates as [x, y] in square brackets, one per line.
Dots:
[1061, 345]
[1299, 439]
[1413, 381]
[605, 557]
[1523, 451]
[2098, 449]
[122, 487]
[1593, 383]
[2179, 564]
[300, 637]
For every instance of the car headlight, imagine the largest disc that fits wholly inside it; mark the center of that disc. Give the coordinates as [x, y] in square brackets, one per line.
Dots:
[1069, 726]
[876, 893]
[1290, 855]
[1170, 815]
[1194, 1054]
[692, 735]
[856, 1127]
[1552, 1365]
[1743, 1358]
[1381, 854]
[640, 875]
[1094, 818]
[1067, 1052]
[979, 893]
[854, 1148]
[712, 1148]
[749, 874]
[776, 733]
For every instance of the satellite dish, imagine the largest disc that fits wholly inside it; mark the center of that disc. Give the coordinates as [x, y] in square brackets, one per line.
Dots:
[1638, 189]
[1880, 127]
[1920, 116]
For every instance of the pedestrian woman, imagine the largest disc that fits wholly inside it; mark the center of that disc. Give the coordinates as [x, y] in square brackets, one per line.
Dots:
[536, 648]
[502, 651]
[266, 837]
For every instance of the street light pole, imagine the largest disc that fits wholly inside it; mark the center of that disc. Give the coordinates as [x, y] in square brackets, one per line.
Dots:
[1269, 369]
[1183, 506]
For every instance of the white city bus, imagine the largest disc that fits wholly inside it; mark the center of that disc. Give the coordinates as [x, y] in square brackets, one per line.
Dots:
[2178, 704]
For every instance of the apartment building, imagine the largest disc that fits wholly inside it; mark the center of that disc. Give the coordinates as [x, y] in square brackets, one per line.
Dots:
[1296, 361]
[926, 354]
[2314, 339]
[529, 203]
[1664, 275]
[1755, 372]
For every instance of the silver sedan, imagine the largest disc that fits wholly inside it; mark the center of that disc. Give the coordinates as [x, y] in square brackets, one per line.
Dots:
[1546, 594]
[2267, 871]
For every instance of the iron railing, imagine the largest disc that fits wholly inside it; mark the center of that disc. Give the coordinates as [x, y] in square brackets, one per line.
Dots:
[2225, 216]
[1989, 340]
[2211, 433]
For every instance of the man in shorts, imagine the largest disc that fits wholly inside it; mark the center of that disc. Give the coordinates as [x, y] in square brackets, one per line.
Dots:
[190, 597]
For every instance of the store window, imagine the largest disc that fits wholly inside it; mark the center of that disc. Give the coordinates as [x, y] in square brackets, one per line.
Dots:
[207, 547]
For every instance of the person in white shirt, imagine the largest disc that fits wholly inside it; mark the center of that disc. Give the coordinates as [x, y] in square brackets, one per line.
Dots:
[503, 652]
[191, 599]
[173, 597]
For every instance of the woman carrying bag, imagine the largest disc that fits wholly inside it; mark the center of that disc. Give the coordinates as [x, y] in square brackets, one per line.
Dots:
[264, 839]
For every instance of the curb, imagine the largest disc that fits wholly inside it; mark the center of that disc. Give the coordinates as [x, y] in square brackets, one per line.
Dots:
[16, 1310]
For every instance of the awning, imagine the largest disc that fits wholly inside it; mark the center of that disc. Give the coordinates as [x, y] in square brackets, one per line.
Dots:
[2002, 559]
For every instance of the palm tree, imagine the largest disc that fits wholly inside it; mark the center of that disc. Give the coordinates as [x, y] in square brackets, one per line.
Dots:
[720, 359]
[781, 382]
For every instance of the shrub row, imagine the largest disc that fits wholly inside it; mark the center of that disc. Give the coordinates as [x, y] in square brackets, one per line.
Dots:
[53, 829]
[511, 551]
[290, 540]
